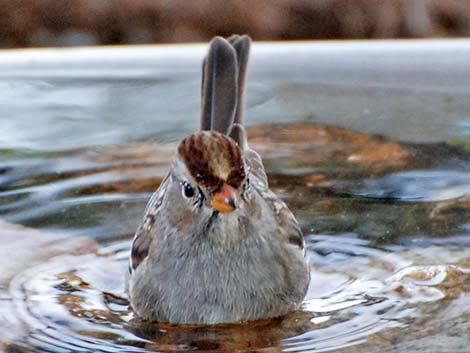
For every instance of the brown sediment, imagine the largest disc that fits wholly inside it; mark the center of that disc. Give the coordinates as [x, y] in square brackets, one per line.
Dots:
[320, 145]
[336, 151]
[302, 154]
[458, 205]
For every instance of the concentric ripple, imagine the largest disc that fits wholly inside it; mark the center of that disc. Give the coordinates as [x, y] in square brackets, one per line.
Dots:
[75, 303]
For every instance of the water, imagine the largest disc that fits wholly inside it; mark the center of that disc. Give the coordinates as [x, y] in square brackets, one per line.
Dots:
[386, 218]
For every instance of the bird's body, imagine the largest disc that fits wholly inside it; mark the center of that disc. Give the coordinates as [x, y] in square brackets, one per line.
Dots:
[216, 245]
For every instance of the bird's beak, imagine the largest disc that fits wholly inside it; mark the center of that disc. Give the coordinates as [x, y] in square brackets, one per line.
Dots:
[225, 200]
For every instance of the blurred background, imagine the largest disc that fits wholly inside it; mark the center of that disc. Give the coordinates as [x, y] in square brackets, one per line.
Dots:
[33, 23]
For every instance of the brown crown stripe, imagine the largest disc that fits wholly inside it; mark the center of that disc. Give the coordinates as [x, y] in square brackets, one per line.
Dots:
[212, 159]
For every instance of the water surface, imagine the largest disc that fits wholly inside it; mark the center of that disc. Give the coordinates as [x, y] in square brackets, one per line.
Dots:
[386, 217]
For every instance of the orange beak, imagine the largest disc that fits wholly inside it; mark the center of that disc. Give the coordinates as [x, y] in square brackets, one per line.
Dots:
[225, 200]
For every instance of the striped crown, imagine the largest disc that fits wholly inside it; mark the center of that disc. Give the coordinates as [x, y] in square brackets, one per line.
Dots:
[212, 159]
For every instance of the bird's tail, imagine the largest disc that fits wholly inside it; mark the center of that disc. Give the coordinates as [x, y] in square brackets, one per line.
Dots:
[223, 85]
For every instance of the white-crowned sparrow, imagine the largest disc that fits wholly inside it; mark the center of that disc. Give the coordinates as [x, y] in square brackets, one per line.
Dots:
[215, 244]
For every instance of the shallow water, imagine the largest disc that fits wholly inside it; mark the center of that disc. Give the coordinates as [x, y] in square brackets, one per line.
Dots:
[387, 223]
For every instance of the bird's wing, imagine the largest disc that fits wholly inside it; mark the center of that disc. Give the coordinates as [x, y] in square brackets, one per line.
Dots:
[143, 236]
[286, 223]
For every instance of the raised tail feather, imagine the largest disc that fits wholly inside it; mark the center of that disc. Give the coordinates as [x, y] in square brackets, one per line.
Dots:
[223, 84]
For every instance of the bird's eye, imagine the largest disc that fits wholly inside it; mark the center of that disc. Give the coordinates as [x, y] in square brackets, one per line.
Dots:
[188, 190]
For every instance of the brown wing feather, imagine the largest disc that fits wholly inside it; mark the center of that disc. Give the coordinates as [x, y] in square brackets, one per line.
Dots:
[140, 248]
[143, 236]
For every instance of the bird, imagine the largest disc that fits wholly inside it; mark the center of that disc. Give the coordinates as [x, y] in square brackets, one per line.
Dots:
[215, 244]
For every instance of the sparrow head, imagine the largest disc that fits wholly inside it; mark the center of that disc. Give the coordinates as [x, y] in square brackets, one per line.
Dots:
[215, 163]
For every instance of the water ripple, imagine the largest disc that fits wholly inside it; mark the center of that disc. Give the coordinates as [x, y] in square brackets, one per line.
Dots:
[75, 303]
